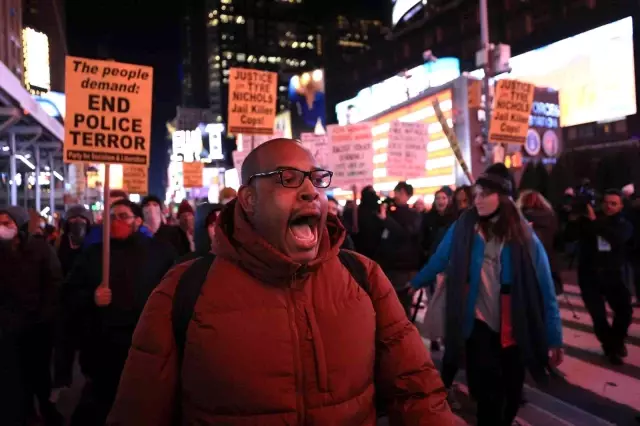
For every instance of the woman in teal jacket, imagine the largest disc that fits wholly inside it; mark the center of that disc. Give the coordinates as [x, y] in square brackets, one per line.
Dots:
[501, 311]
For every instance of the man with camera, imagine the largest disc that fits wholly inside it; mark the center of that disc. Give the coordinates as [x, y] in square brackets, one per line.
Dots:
[602, 241]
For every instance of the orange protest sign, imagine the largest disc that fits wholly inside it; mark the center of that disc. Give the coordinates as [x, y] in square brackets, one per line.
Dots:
[192, 174]
[511, 111]
[252, 101]
[135, 179]
[108, 112]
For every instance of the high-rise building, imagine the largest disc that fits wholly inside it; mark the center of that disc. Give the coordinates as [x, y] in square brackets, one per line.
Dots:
[11, 36]
[47, 19]
[279, 36]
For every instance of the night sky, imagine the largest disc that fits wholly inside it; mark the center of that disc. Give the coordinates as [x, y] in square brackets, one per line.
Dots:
[147, 32]
[141, 32]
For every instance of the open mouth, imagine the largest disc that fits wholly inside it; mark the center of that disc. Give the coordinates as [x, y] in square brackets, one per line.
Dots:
[304, 229]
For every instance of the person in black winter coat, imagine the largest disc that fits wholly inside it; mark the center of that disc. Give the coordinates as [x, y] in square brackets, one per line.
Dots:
[370, 226]
[205, 220]
[110, 312]
[400, 250]
[334, 209]
[603, 244]
[537, 210]
[436, 222]
[29, 288]
[77, 222]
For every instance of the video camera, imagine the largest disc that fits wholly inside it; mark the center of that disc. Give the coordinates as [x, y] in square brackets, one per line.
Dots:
[585, 195]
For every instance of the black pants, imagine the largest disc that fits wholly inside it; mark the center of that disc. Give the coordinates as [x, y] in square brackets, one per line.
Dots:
[109, 355]
[495, 376]
[35, 351]
[598, 286]
[635, 265]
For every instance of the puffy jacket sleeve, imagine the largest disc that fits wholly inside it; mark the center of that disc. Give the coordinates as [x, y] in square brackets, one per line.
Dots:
[406, 379]
[147, 391]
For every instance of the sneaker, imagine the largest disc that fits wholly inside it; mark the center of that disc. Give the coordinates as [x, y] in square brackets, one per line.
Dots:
[615, 359]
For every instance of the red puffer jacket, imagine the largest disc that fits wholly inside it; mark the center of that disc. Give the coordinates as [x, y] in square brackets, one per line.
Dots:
[277, 343]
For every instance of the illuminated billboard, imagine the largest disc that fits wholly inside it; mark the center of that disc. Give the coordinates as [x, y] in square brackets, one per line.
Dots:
[37, 73]
[308, 102]
[393, 91]
[593, 71]
[405, 9]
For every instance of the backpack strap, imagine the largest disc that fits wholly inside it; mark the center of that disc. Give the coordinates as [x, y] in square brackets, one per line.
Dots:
[186, 296]
[356, 268]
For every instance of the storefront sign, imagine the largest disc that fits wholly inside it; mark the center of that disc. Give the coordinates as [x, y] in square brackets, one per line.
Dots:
[545, 114]
[533, 143]
[550, 143]
[109, 112]
[252, 101]
[511, 111]
[397, 90]
[187, 145]
[407, 150]
[351, 155]
[319, 146]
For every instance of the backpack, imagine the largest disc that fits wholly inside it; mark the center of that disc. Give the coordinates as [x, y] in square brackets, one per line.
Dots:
[192, 280]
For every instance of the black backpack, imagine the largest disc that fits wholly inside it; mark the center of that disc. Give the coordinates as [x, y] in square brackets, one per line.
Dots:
[192, 280]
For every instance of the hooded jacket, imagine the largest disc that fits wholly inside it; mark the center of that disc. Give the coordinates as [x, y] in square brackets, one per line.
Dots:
[274, 342]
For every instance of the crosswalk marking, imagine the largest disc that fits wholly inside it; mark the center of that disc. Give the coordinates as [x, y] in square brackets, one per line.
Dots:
[587, 373]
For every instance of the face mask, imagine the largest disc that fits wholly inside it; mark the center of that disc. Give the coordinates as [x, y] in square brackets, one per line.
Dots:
[7, 234]
[120, 230]
[77, 232]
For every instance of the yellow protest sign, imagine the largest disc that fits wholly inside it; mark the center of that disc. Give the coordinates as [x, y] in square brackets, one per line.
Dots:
[108, 112]
[135, 179]
[511, 111]
[192, 174]
[252, 101]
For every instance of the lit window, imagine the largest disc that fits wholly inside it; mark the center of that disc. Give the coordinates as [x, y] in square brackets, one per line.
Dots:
[282, 43]
[210, 14]
[224, 63]
[229, 55]
[294, 44]
[217, 57]
[310, 45]
[272, 59]
[240, 20]
[225, 81]
[225, 73]
[303, 63]
[310, 38]
[224, 8]
[282, 88]
[303, 44]
[250, 58]
[213, 22]
[241, 57]
[224, 19]
[263, 59]
[224, 36]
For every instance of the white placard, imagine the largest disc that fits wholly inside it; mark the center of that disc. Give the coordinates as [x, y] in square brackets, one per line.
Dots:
[319, 147]
[238, 159]
[407, 150]
[250, 142]
[351, 154]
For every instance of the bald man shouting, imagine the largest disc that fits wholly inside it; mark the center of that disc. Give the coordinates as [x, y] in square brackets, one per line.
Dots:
[283, 327]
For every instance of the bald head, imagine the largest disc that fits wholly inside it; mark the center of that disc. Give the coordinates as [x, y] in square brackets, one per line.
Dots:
[265, 157]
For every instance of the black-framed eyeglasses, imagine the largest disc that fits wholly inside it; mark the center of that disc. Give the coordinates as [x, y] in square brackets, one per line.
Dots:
[290, 177]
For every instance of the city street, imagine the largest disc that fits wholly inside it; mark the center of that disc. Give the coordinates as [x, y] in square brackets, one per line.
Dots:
[590, 391]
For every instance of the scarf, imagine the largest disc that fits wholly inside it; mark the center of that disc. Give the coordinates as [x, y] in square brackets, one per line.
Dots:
[527, 308]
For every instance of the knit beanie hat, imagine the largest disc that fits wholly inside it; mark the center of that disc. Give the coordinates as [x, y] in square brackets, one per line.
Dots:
[185, 207]
[497, 178]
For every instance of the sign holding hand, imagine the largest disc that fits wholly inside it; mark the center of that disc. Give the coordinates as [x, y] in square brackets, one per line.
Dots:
[102, 296]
